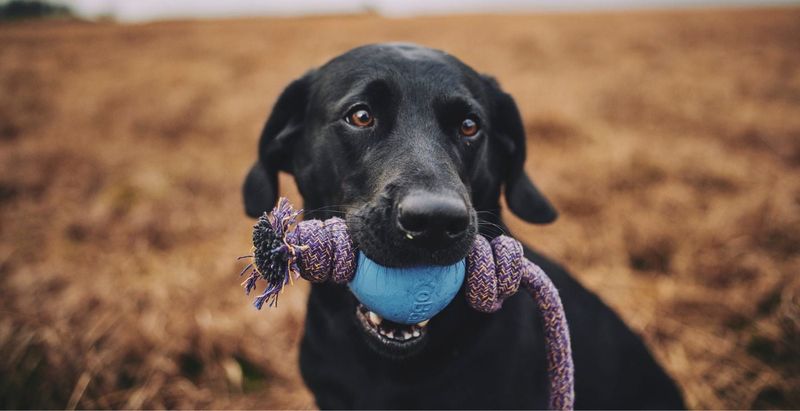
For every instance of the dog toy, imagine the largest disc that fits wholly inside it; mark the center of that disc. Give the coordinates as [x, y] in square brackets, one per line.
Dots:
[319, 251]
[406, 295]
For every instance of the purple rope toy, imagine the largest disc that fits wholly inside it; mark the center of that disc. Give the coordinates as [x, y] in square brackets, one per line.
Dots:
[284, 250]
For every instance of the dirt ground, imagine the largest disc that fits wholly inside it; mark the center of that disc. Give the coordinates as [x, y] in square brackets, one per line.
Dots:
[669, 141]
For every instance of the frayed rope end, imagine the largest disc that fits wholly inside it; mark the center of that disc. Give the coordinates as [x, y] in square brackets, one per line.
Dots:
[275, 257]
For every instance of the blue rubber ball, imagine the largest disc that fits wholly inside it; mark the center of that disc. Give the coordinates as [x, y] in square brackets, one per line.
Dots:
[406, 295]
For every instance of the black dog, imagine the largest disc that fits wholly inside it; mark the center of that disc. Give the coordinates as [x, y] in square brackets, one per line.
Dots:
[413, 146]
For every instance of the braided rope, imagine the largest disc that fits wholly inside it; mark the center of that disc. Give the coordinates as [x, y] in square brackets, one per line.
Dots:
[323, 250]
[327, 251]
[494, 272]
[556, 336]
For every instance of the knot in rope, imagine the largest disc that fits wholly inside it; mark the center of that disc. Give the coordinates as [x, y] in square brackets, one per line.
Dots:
[494, 271]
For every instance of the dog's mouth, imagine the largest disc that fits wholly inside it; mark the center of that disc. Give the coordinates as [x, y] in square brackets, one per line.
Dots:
[377, 238]
[391, 338]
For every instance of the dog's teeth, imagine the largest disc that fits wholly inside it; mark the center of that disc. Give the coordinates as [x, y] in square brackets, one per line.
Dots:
[406, 335]
[416, 333]
[423, 323]
[374, 318]
[390, 334]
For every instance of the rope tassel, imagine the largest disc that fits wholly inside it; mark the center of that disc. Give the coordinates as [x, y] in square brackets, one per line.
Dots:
[322, 251]
[275, 258]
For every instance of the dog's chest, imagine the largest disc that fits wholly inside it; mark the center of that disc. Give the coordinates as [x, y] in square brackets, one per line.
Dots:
[502, 366]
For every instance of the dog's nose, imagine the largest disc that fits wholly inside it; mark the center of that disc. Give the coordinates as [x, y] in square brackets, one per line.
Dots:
[433, 218]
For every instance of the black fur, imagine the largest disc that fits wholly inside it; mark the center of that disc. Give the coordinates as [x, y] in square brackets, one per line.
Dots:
[418, 97]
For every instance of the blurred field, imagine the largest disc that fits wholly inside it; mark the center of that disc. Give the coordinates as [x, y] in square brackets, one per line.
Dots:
[670, 141]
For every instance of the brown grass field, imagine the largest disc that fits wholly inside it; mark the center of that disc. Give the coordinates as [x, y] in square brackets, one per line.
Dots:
[670, 142]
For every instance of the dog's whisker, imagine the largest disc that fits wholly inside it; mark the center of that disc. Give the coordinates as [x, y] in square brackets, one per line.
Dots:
[491, 226]
[484, 223]
[489, 223]
[332, 208]
[492, 214]
[321, 210]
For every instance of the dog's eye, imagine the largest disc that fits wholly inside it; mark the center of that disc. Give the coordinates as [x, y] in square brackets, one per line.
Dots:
[360, 117]
[469, 127]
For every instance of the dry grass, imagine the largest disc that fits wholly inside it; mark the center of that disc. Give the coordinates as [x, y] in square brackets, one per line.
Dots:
[670, 141]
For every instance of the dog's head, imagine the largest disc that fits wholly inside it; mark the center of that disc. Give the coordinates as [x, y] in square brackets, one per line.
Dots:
[411, 145]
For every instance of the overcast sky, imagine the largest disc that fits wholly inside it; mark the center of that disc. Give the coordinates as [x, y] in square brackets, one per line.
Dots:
[144, 10]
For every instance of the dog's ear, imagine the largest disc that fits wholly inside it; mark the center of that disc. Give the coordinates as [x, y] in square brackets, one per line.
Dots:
[283, 126]
[522, 196]
[260, 190]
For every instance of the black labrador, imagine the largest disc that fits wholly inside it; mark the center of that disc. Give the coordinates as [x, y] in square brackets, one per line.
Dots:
[412, 147]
